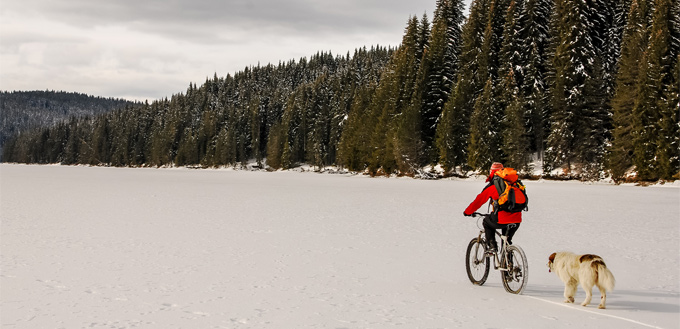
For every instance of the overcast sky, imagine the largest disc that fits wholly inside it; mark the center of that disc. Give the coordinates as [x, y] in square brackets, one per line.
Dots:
[150, 49]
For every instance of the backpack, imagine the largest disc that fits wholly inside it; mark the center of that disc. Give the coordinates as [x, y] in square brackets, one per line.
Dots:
[512, 196]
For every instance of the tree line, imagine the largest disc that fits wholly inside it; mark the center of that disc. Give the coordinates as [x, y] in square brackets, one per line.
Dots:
[587, 86]
[23, 111]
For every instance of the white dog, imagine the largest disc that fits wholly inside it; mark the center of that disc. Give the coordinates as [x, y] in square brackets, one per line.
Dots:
[589, 270]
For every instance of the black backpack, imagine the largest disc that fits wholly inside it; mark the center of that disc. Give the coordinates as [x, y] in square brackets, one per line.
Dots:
[512, 196]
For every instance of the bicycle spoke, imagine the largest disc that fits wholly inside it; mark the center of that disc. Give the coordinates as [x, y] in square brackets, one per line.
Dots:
[515, 279]
[476, 263]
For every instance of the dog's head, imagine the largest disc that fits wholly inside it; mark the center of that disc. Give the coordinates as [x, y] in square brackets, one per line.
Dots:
[551, 260]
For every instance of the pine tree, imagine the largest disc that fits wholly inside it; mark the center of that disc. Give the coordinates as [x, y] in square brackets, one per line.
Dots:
[515, 143]
[668, 153]
[634, 43]
[592, 124]
[675, 29]
[512, 45]
[275, 146]
[613, 40]
[383, 109]
[515, 122]
[535, 33]
[393, 96]
[571, 67]
[256, 112]
[408, 146]
[653, 150]
[485, 135]
[423, 40]
[354, 149]
[220, 158]
[492, 40]
[485, 127]
[453, 130]
[319, 118]
[101, 142]
[439, 68]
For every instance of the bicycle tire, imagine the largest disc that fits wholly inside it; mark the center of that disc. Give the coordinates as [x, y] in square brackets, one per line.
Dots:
[476, 262]
[516, 278]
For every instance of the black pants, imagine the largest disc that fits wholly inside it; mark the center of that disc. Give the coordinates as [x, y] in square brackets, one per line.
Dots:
[490, 224]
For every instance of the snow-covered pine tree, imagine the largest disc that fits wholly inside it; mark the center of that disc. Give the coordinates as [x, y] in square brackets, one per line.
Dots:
[431, 87]
[601, 16]
[453, 132]
[409, 147]
[515, 122]
[574, 56]
[535, 20]
[393, 95]
[439, 67]
[675, 28]
[485, 128]
[423, 41]
[101, 142]
[516, 144]
[613, 39]
[593, 124]
[78, 147]
[354, 150]
[485, 136]
[317, 144]
[511, 55]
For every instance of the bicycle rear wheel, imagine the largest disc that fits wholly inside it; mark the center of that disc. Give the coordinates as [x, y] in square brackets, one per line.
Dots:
[515, 279]
[476, 262]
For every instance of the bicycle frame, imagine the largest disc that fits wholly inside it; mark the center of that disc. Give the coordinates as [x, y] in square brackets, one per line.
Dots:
[500, 262]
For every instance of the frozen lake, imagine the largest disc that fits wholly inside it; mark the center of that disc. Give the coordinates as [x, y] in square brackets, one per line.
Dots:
[86, 247]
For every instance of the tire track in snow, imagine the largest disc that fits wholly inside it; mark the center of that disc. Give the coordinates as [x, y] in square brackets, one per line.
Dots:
[594, 312]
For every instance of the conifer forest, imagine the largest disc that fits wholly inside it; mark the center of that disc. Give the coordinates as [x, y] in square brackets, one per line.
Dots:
[586, 87]
[30, 110]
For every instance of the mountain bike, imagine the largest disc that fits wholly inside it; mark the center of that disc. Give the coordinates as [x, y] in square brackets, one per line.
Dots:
[510, 260]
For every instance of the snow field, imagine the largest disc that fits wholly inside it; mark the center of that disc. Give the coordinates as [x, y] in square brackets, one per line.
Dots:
[89, 247]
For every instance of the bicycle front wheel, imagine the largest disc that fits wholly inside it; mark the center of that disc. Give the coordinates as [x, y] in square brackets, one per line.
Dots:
[516, 277]
[476, 262]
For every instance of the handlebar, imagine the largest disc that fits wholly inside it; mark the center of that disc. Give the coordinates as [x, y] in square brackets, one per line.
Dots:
[477, 214]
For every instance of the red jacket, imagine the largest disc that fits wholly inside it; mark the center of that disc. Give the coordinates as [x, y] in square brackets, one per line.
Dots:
[490, 191]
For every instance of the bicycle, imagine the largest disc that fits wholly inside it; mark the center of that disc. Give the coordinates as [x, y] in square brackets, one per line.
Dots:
[510, 260]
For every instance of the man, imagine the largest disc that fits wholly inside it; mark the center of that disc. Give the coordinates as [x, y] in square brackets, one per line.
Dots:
[497, 219]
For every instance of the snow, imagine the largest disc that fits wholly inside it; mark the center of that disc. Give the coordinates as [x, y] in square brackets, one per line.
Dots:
[89, 247]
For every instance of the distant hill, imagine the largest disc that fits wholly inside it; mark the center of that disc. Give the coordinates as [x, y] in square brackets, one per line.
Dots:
[24, 110]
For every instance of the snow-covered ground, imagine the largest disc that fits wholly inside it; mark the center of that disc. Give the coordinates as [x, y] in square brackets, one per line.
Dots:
[89, 247]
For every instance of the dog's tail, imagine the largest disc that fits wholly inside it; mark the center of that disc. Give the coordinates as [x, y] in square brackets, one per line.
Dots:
[605, 278]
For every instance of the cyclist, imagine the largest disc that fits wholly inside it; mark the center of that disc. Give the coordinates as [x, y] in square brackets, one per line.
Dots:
[497, 219]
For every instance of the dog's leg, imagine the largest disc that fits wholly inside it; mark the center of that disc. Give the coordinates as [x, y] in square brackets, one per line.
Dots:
[589, 292]
[570, 290]
[603, 299]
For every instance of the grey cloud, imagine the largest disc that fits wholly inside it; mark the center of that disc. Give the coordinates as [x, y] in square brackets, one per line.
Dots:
[11, 40]
[204, 21]
[154, 48]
